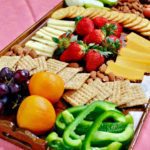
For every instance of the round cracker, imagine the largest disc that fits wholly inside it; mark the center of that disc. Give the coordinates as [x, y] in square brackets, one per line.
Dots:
[134, 23]
[100, 13]
[113, 15]
[94, 13]
[131, 19]
[60, 13]
[106, 14]
[79, 12]
[71, 10]
[120, 15]
[125, 17]
[145, 29]
[146, 33]
[141, 25]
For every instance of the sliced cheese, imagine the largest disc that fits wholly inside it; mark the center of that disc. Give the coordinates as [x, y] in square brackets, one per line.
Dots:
[124, 71]
[39, 47]
[65, 23]
[42, 35]
[133, 64]
[53, 31]
[134, 54]
[138, 43]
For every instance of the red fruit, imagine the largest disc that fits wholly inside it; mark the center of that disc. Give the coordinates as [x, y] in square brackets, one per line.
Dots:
[99, 22]
[118, 29]
[75, 52]
[93, 60]
[96, 36]
[84, 26]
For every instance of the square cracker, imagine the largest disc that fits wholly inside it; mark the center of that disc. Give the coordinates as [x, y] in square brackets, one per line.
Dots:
[103, 90]
[41, 65]
[125, 90]
[115, 97]
[81, 96]
[68, 73]
[26, 62]
[137, 96]
[8, 61]
[77, 81]
[55, 65]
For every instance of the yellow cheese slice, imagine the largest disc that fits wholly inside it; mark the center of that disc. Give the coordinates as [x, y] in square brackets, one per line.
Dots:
[134, 54]
[124, 71]
[133, 64]
[138, 43]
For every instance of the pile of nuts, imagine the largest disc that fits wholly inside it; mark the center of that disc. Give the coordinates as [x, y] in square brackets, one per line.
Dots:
[99, 74]
[18, 50]
[129, 6]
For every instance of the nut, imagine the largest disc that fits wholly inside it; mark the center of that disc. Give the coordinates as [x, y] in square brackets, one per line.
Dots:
[111, 76]
[100, 75]
[17, 49]
[74, 65]
[103, 68]
[9, 53]
[33, 53]
[119, 78]
[93, 74]
[89, 80]
[26, 50]
[105, 79]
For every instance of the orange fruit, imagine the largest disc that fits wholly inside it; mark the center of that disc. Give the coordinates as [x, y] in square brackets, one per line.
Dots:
[48, 85]
[36, 114]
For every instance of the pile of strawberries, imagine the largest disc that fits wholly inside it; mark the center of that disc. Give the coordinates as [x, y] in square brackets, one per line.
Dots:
[91, 43]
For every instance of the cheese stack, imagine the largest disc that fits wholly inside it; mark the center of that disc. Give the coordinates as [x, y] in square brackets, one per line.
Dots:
[42, 42]
[133, 60]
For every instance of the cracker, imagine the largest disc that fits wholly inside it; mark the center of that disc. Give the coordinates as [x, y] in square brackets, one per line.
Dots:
[137, 97]
[41, 65]
[120, 16]
[98, 13]
[146, 33]
[81, 96]
[79, 11]
[88, 12]
[55, 65]
[71, 11]
[8, 61]
[103, 90]
[77, 81]
[94, 13]
[113, 15]
[26, 62]
[125, 90]
[67, 73]
[125, 17]
[130, 19]
[60, 13]
[141, 25]
[115, 97]
[134, 23]
[106, 14]
[145, 29]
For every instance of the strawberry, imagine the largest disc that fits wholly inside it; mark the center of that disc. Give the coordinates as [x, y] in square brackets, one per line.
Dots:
[75, 52]
[93, 60]
[99, 22]
[112, 28]
[84, 26]
[96, 37]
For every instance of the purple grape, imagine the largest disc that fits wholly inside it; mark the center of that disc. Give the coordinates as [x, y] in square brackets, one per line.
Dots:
[1, 107]
[4, 90]
[6, 73]
[4, 99]
[14, 88]
[21, 76]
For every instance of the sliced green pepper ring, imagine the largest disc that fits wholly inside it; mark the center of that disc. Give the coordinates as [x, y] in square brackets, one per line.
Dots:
[90, 108]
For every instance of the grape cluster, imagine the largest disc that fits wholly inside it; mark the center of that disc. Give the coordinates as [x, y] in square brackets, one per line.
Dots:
[13, 89]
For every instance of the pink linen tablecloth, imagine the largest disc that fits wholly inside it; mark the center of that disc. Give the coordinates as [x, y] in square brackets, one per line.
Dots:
[15, 17]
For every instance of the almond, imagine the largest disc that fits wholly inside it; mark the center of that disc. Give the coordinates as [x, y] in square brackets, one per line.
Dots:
[111, 76]
[105, 79]
[93, 74]
[100, 75]
[103, 68]
[89, 80]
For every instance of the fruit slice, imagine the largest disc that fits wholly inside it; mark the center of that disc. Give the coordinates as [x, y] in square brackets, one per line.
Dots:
[109, 2]
[74, 2]
[93, 3]
[134, 54]
[138, 43]
[124, 71]
[133, 64]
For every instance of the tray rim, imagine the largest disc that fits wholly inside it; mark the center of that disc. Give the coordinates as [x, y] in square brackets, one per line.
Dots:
[33, 28]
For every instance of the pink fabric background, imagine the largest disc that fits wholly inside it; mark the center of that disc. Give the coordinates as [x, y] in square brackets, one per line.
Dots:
[15, 17]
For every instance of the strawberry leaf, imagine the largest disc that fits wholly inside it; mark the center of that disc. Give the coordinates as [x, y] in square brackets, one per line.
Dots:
[77, 19]
[56, 40]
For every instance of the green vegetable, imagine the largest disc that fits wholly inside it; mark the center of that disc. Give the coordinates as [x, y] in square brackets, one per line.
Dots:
[98, 126]
[93, 3]
[109, 2]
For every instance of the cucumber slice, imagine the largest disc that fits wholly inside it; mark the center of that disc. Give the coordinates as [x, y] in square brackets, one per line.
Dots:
[74, 2]
[109, 2]
[93, 3]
